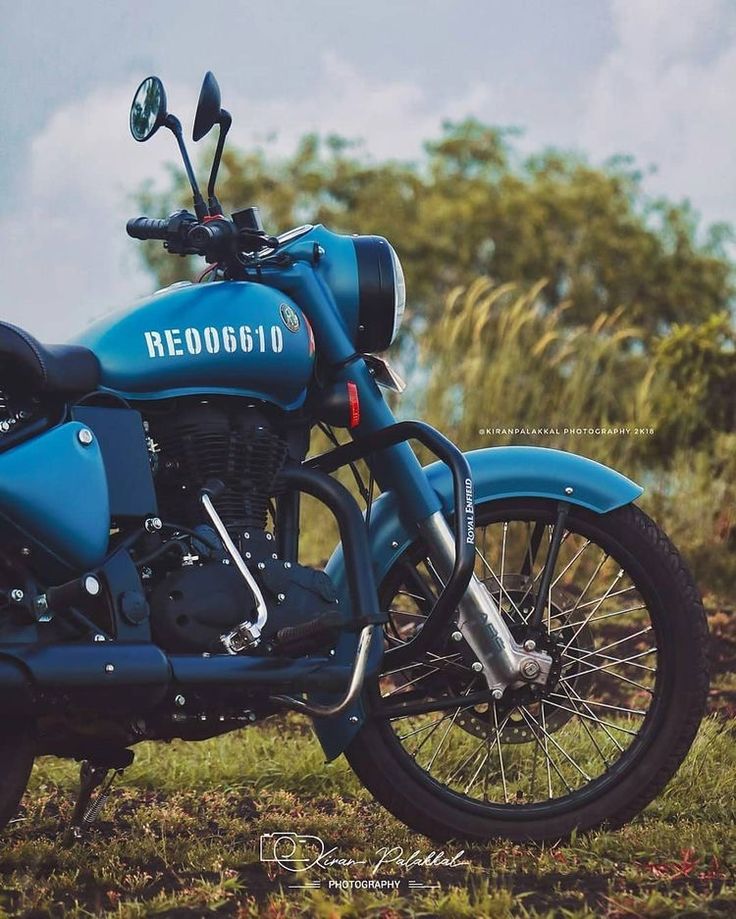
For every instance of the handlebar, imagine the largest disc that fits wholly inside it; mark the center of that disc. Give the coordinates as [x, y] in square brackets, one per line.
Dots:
[216, 238]
[148, 228]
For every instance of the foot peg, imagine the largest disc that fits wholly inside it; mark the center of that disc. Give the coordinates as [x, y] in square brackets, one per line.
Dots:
[309, 636]
[95, 776]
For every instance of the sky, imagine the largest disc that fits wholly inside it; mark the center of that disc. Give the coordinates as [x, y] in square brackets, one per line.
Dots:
[650, 78]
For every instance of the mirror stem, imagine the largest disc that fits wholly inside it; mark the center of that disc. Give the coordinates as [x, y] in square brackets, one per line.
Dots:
[225, 122]
[174, 125]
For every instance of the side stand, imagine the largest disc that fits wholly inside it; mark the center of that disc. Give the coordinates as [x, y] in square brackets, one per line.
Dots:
[95, 775]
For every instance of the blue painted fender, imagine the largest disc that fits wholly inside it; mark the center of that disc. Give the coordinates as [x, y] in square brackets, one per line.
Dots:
[498, 472]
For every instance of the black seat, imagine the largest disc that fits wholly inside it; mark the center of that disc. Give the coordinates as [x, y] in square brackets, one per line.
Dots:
[26, 363]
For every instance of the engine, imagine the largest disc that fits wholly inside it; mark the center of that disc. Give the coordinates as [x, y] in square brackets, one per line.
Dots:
[244, 448]
[195, 594]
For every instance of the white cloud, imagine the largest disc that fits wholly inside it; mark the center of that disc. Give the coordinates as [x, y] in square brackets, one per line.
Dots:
[67, 248]
[665, 93]
[393, 118]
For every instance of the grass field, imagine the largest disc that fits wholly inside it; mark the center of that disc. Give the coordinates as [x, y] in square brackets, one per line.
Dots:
[180, 837]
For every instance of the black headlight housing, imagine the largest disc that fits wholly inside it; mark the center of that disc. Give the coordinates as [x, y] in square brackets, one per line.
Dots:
[381, 293]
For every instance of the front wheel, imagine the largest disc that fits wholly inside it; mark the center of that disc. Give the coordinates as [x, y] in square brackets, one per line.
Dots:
[625, 627]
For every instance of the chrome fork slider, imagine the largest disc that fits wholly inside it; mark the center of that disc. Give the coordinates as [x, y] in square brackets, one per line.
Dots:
[504, 662]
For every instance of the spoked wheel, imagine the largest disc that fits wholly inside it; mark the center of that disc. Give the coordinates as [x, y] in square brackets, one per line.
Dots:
[625, 628]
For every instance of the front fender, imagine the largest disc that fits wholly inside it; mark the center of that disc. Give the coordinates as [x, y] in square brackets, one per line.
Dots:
[498, 472]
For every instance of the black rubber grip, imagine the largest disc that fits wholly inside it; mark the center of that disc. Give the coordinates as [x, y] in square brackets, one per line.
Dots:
[148, 228]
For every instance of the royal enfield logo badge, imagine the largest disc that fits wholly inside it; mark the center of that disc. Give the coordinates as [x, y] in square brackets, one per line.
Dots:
[291, 320]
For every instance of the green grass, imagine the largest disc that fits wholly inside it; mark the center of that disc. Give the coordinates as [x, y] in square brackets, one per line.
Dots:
[180, 837]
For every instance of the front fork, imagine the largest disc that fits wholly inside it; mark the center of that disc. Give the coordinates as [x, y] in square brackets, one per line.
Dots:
[502, 660]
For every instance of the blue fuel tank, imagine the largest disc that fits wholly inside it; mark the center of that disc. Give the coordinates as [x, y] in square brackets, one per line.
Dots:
[230, 337]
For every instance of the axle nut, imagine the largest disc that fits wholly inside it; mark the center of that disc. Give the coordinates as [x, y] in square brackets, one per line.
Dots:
[530, 669]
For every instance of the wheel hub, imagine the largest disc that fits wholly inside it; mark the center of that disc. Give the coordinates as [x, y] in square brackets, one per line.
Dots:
[480, 720]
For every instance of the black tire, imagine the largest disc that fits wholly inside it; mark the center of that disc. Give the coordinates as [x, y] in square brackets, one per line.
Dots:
[678, 694]
[16, 761]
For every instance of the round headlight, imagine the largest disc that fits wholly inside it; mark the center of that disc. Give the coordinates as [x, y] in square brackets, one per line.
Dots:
[381, 293]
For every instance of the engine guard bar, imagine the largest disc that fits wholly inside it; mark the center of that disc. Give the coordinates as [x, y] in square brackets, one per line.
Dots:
[355, 687]
[464, 515]
[364, 604]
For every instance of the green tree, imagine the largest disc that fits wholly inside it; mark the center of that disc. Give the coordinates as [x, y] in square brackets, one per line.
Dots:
[690, 386]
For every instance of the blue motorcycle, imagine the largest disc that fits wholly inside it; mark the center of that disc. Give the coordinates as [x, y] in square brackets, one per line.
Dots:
[502, 644]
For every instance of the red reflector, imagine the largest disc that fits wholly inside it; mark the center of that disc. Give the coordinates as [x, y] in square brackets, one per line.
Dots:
[354, 403]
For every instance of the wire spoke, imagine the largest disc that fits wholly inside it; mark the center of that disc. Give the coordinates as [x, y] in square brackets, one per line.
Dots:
[436, 658]
[550, 761]
[572, 561]
[546, 750]
[424, 727]
[616, 708]
[613, 644]
[609, 724]
[615, 593]
[601, 563]
[616, 676]
[619, 612]
[447, 729]
[500, 753]
[408, 593]
[442, 740]
[586, 728]
[406, 612]
[567, 756]
[571, 689]
[422, 676]
[629, 661]
[471, 756]
[503, 589]
[595, 609]
[468, 759]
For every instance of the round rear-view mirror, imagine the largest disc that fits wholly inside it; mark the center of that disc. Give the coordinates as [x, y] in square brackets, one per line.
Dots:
[148, 111]
[208, 107]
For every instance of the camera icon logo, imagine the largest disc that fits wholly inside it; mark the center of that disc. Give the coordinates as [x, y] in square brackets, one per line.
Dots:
[292, 851]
